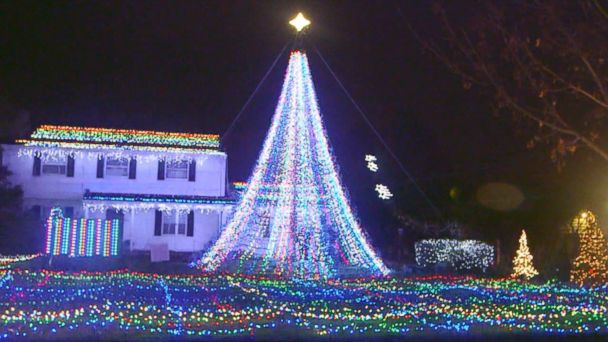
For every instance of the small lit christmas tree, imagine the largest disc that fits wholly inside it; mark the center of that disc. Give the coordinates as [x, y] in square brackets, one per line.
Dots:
[591, 265]
[522, 263]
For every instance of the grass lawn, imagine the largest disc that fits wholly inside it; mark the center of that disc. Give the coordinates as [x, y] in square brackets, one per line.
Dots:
[39, 303]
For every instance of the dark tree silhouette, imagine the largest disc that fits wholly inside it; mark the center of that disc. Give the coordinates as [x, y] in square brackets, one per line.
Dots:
[544, 62]
[16, 227]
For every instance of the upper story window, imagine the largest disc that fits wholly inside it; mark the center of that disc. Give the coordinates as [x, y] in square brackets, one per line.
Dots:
[174, 223]
[55, 166]
[177, 169]
[117, 167]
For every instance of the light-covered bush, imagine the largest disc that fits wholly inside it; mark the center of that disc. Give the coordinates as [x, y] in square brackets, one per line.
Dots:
[460, 254]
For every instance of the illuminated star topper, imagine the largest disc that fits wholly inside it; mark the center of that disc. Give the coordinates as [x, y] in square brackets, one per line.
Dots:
[299, 22]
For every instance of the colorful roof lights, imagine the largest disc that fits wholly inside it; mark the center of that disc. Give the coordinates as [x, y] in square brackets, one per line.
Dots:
[100, 202]
[125, 137]
[51, 142]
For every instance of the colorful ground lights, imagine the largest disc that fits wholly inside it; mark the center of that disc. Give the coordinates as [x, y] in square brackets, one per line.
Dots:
[44, 304]
[9, 261]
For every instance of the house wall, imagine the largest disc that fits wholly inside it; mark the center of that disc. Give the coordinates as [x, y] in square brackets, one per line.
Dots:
[48, 191]
[139, 231]
[210, 178]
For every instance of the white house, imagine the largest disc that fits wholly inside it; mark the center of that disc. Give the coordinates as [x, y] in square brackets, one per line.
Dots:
[165, 187]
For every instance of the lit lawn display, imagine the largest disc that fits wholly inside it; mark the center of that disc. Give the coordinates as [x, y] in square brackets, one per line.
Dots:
[294, 240]
[130, 305]
[81, 237]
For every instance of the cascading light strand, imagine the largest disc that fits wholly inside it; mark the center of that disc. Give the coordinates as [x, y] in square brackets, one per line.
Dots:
[294, 219]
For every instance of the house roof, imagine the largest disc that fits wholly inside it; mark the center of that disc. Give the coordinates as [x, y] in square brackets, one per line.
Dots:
[92, 137]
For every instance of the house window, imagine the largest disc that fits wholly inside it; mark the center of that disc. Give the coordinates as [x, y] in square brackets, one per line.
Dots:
[177, 169]
[45, 211]
[174, 223]
[117, 167]
[55, 166]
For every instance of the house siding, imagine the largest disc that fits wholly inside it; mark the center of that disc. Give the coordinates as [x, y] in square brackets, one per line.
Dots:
[138, 226]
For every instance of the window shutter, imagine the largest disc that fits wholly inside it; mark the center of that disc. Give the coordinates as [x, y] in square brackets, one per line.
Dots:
[192, 171]
[161, 170]
[190, 228]
[132, 168]
[158, 221]
[36, 212]
[70, 171]
[100, 164]
[37, 163]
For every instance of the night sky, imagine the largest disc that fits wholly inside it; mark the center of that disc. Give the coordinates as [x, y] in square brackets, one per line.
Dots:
[190, 66]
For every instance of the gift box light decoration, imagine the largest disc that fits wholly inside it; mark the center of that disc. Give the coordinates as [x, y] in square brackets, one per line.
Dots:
[460, 254]
[294, 219]
[81, 237]
[51, 142]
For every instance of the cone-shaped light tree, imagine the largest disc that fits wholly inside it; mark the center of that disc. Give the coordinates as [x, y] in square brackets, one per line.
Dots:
[294, 220]
[590, 267]
[522, 263]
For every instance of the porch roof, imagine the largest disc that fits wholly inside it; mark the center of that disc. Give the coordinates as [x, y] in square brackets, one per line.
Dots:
[157, 198]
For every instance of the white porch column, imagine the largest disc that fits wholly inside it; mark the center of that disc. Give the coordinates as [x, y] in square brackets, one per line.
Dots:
[131, 227]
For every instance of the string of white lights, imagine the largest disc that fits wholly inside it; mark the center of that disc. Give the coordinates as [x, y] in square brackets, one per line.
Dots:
[460, 254]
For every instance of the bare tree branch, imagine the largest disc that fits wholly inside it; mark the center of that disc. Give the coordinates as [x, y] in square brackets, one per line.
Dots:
[542, 61]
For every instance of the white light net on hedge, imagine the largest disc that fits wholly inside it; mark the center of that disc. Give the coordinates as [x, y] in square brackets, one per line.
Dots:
[460, 254]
